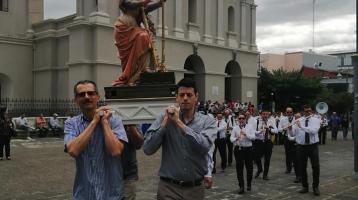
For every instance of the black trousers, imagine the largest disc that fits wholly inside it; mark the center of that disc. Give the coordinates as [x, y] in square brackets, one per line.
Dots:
[230, 148]
[311, 152]
[244, 157]
[5, 142]
[221, 145]
[290, 152]
[322, 133]
[263, 149]
[334, 132]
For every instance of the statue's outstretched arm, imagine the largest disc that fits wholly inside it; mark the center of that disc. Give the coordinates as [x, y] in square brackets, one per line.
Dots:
[132, 4]
[153, 6]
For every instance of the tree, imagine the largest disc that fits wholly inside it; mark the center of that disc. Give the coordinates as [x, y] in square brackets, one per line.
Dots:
[287, 88]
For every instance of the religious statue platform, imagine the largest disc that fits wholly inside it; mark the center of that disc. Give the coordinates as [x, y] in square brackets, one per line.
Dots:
[144, 102]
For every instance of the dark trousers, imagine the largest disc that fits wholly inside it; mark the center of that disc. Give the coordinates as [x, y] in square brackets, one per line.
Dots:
[230, 148]
[5, 141]
[334, 130]
[244, 157]
[263, 149]
[290, 152]
[221, 145]
[172, 191]
[322, 133]
[311, 152]
[345, 132]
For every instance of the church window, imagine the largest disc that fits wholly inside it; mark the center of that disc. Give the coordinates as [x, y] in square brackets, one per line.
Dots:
[192, 11]
[231, 19]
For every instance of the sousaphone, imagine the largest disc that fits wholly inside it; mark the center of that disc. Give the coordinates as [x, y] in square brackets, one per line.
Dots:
[322, 107]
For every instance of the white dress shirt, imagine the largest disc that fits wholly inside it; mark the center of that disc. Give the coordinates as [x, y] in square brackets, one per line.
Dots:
[258, 128]
[284, 123]
[312, 129]
[221, 124]
[245, 140]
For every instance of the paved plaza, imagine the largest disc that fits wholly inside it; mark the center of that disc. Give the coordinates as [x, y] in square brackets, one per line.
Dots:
[40, 170]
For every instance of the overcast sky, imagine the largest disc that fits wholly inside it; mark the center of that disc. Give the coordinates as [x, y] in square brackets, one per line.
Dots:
[282, 25]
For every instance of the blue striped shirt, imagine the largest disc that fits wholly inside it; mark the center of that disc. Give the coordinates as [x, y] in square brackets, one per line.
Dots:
[98, 174]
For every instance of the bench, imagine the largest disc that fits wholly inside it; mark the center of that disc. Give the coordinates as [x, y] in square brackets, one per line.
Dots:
[36, 132]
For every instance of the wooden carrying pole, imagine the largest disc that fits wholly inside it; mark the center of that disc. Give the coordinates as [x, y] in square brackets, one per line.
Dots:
[162, 65]
[153, 51]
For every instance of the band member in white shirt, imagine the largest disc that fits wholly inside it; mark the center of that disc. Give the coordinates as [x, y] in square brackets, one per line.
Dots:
[322, 132]
[306, 133]
[242, 136]
[285, 122]
[231, 122]
[264, 130]
[220, 142]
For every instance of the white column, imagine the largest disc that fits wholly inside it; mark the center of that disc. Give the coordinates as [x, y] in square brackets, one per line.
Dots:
[178, 26]
[159, 27]
[220, 23]
[100, 14]
[79, 10]
[243, 35]
[208, 20]
[253, 27]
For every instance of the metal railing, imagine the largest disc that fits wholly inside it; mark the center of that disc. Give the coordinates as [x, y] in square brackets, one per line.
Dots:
[34, 107]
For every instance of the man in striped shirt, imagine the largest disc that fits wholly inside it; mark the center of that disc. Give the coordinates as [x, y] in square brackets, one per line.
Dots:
[95, 139]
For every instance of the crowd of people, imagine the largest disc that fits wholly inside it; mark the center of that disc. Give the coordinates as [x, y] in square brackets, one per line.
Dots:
[189, 140]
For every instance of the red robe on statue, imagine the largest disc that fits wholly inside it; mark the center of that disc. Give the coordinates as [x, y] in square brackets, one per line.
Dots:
[132, 43]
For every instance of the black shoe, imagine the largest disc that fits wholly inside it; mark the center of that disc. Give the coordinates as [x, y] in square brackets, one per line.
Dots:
[1, 158]
[8, 158]
[265, 178]
[316, 191]
[241, 191]
[303, 190]
[248, 188]
[258, 173]
[297, 180]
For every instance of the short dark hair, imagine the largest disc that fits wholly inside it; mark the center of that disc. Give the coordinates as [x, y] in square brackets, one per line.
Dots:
[306, 106]
[84, 82]
[186, 82]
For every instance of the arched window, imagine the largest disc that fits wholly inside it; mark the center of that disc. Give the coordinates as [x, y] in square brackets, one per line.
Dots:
[231, 19]
[192, 11]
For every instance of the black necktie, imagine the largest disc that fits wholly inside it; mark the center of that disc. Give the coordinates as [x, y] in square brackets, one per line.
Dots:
[267, 132]
[218, 134]
[307, 136]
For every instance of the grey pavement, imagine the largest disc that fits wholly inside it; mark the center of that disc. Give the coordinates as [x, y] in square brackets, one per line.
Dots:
[40, 170]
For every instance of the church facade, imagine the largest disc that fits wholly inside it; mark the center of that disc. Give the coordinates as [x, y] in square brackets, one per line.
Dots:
[212, 41]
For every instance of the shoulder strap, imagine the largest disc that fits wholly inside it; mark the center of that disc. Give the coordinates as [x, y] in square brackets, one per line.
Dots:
[257, 125]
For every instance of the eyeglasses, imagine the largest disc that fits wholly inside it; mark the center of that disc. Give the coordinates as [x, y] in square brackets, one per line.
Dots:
[241, 118]
[89, 93]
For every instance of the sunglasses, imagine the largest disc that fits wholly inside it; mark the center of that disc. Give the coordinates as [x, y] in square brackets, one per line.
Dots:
[89, 93]
[289, 112]
[241, 118]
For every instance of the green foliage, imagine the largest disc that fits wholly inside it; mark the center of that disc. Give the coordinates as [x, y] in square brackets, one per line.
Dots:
[288, 88]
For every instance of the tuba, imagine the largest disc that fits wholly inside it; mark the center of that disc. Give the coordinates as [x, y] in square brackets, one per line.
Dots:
[322, 107]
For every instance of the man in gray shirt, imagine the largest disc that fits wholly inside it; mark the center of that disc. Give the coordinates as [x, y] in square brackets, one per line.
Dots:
[186, 137]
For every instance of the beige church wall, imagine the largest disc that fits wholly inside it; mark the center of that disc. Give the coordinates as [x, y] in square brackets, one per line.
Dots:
[215, 87]
[16, 68]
